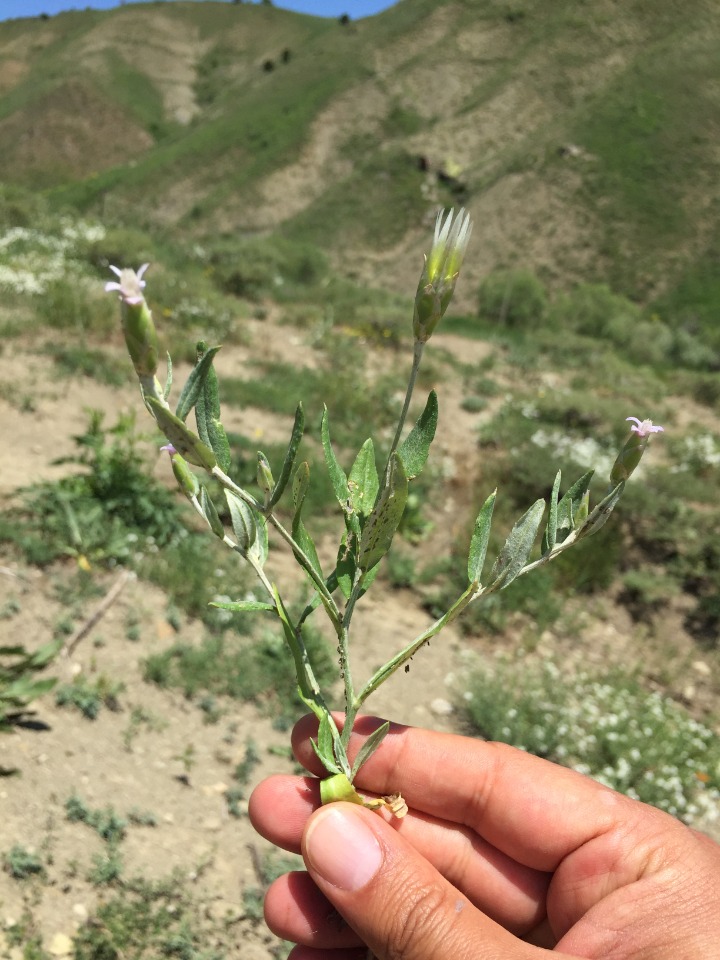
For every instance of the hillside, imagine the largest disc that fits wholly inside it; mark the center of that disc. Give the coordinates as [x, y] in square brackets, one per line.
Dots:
[582, 137]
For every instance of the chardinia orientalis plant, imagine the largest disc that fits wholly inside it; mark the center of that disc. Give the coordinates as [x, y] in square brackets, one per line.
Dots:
[371, 502]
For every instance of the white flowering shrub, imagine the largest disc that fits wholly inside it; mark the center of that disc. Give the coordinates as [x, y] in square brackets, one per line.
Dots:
[609, 727]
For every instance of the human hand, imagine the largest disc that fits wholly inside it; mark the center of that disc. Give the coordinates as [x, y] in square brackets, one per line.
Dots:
[502, 856]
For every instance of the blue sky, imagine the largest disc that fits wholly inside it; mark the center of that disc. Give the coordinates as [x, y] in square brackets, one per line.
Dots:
[319, 8]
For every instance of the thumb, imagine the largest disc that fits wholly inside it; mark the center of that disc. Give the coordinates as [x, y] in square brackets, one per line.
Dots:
[395, 900]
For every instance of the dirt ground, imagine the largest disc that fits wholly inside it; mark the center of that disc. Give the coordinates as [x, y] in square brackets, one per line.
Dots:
[111, 762]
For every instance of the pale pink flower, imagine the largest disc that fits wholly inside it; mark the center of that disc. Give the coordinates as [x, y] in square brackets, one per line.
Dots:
[130, 285]
[643, 427]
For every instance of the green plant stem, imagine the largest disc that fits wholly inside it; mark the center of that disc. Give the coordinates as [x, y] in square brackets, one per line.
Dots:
[388, 669]
[301, 556]
[344, 649]
[417, 357]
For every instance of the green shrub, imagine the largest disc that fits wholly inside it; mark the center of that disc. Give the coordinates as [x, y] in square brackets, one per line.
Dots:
[513, 298]
[88, 696]
[21, 863]
[111, 512]
[591, 308]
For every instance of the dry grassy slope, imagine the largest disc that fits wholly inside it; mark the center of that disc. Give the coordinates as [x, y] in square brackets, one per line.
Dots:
[493, 95]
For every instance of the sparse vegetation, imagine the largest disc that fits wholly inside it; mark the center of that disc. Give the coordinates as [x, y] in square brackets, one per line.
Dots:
[592, 187]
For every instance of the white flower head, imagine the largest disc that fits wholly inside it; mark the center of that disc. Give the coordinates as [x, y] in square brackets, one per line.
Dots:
[643, 427]
[449, 245]
[130, 285]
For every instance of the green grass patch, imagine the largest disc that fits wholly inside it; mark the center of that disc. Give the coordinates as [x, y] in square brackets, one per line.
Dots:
[257, 669]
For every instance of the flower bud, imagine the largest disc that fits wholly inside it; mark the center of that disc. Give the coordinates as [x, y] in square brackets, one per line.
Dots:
[633, 449]
[187, 481]
[440, 273]
[138, 327]
[265, 479]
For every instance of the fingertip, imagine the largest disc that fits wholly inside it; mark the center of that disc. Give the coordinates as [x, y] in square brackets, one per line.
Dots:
[279, 807]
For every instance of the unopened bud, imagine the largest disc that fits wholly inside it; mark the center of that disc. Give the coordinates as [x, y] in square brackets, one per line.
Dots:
[265, 479]
[137, 322]
[633, 449]
[187, 481]
[440, 273]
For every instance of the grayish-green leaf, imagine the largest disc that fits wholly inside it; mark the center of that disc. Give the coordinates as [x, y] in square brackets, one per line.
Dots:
[363, 482]
[188, 444]
[168, 378]
[382, 523]
[517, 547]
[569, 504]
[207, 415]
[259, 548]
[211, 514]
[414, 449]
[241, 606]
[242, 517]
[325, 746]
[599, 515]
[301, 481]
[370, 746]
[195, 383]
[338, 479]
[550, 535]
[289, 462]
[479, 539]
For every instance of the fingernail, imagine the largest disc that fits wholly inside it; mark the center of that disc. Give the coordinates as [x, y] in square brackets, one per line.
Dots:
[342, 849]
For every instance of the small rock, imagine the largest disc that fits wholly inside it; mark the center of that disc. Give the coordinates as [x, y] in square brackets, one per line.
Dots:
[168, 818]
[689, 691]
[213, 824]
[60, 945]
[699, 666]
[213, 788]
[442, 708]
[80, 912]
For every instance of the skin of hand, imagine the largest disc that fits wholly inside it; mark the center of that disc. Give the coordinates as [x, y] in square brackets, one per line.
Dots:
[502, 856]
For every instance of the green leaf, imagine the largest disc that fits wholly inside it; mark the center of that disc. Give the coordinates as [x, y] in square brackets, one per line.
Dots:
[570, 503]
[550, 535]
[370, 746]
[599, 515]
[211, 514]
[187, 444]
[259, 548]
[479, 539]
[382, 523]
[306, 543]
[207, 415]
[242, 517]
[300, 535]
[414, 449]
[301, 481]
[338, 479]
[363, 482]
[168, 378]
[241, 606]
[195, 383]
[345, 569]
[289, 462]
[518, 545]
[325, 746]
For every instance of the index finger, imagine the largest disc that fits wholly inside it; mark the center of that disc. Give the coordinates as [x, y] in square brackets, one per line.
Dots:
[533, 810]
